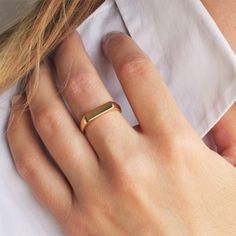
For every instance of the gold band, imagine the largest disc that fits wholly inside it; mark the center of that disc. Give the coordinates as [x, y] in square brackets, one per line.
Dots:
[97, 112]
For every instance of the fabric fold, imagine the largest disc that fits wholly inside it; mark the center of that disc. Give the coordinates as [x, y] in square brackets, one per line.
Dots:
[192, 55]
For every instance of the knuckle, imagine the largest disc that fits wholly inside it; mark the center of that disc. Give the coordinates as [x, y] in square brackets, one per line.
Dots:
[136, 64]
[117, 41]
[48, 121]
[81, 83]
[178, 148]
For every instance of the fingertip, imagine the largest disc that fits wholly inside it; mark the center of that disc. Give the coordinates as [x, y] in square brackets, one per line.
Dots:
[108, 38]
[67, 45]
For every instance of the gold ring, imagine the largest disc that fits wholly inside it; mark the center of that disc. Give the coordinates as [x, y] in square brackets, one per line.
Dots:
[96, 113]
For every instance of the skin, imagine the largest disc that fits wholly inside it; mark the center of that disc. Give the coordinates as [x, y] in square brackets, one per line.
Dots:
[224, 132]
[152, 180]
[159, 179]
[224, 14]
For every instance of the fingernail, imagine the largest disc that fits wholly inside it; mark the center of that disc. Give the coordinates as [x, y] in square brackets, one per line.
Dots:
[108, 36]
[15, 99]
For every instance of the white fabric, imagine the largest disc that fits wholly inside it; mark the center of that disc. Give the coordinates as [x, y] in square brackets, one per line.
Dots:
[196, 63]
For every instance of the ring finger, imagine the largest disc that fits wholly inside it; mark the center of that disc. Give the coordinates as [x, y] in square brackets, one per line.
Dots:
[84, 91]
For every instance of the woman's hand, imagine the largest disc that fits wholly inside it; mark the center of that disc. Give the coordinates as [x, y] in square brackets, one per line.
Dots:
[158, 179]
[224, 135]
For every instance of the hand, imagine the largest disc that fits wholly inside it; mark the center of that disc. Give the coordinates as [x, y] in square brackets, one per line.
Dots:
[224, 135]
[159, 179]
[224, 132]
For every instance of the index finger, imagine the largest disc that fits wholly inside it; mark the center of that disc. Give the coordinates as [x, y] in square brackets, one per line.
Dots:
[149, 97]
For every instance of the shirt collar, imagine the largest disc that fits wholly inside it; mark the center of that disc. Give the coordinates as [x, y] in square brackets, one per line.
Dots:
[190, 52]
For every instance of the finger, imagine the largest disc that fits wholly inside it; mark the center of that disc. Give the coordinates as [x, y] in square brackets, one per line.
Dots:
[149, 97]
[46, 182]
[58, 131]
[224, 135]
[84, 91]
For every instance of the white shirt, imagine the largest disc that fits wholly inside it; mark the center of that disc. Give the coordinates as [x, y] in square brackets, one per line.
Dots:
[193, 57]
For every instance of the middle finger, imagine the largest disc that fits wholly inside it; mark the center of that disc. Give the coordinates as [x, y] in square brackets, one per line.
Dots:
[58, 131]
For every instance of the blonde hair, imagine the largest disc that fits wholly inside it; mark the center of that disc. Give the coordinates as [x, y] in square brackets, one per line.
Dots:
[27, 43]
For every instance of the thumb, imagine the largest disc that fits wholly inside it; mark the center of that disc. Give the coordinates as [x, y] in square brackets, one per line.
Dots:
[224, 135]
